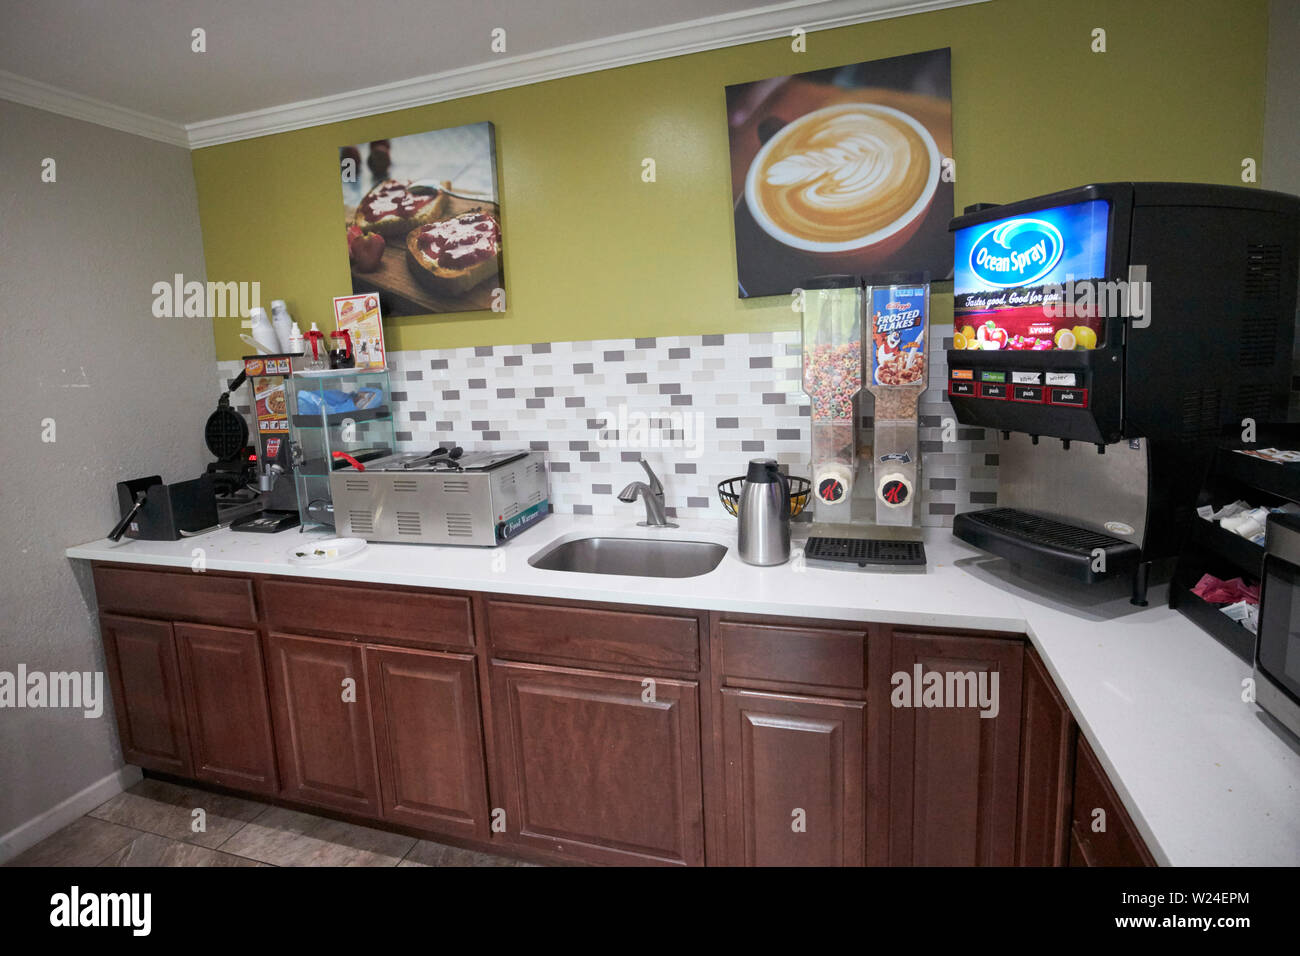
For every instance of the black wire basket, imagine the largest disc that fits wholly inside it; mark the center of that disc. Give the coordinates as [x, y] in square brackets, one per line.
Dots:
[730, 488]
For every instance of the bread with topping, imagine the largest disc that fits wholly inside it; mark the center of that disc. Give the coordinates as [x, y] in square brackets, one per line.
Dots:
[452, 256]
[391, 210]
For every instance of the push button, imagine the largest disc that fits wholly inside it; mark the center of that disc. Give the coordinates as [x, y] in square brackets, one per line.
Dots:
[991, 390]
[961, 388]
[1027, 393]
[1076, 397]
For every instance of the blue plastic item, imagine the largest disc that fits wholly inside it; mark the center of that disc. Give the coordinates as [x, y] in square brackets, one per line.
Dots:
[309, 403]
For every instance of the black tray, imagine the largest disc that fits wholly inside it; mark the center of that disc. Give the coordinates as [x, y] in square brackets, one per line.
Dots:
[1210, 619]
[1051, 545]
[338, 418]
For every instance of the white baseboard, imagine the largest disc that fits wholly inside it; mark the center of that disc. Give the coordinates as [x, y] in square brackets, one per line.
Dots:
[28, 834]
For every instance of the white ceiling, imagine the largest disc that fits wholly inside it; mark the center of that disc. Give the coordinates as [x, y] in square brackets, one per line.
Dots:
[293, 63]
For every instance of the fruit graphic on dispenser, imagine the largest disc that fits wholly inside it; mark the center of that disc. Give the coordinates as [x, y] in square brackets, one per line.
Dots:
[991, 337]
[959, 340]
[1085, 337]
[1064, 339]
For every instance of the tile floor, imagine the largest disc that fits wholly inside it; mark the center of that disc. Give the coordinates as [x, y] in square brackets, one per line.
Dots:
[154, 824]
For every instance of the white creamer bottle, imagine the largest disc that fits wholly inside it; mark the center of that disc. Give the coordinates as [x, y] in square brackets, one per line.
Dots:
[283, 323]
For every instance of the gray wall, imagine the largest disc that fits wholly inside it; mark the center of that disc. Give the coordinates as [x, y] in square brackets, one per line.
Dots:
[128, 393]
[1281, 167]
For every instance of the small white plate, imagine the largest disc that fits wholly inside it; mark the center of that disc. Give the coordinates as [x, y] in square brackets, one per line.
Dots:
[323, 552]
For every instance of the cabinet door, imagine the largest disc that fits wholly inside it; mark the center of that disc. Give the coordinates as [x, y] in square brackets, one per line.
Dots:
[226, 702]
[429, 739]
[953, 772]
[322, 723]
[1046, 771]
[1102, 833]
[147, 701]
[795, 790]
[594, 769]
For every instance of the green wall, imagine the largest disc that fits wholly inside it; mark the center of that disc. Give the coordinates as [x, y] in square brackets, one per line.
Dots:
[591, 251]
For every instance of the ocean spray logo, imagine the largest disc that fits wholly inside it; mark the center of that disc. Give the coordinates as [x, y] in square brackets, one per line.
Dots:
[1016, 252]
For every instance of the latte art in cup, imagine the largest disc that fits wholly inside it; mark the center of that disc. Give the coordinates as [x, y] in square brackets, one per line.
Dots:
[843, 177]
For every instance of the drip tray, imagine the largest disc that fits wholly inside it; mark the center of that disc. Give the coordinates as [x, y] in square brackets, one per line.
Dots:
[1046, 543]
[867, 554]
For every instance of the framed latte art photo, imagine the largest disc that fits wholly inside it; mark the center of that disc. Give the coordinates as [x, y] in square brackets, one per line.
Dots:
[422, 220]
[842, 170]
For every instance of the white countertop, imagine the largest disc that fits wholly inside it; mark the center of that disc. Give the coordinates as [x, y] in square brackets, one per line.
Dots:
[1208, 779]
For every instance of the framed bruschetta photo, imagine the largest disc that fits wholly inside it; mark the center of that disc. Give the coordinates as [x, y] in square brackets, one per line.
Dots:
[423, 221]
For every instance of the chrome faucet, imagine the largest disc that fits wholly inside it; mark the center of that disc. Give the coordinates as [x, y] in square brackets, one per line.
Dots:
[653, 496]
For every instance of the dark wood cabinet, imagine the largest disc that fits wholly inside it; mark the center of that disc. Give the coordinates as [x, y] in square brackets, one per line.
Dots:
[322, 723]
[953, 772]
[1047, 735]
[428, 739]
[224, 687]
[1101, 831]
[794, 779]
[147, 696]
[608, 734]
[600, 767]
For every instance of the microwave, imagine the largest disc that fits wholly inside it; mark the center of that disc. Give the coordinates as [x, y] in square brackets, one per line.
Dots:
[1277, 648]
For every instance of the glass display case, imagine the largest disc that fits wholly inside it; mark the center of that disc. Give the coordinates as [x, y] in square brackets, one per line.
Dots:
[331, 414]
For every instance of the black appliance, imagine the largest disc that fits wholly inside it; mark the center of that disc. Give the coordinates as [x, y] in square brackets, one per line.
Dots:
[1188, 328]
[153, 511]
[1277, 651]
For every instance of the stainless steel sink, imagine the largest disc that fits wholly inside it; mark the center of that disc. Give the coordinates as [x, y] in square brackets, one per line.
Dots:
[636, 557]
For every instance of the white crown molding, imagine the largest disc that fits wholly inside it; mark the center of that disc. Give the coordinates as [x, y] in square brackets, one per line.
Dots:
[678, 39]
[55, 99]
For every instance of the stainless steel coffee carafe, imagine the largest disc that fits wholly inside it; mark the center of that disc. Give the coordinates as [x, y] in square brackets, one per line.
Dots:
[764, 514]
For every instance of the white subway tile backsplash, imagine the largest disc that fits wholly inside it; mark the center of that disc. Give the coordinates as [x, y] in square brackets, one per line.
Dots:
[668, 394]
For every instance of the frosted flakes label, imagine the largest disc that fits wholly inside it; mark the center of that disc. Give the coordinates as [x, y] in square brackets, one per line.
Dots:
[898, 335]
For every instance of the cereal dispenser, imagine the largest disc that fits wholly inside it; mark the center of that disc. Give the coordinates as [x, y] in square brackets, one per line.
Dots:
[896, 317]
[832, 379]
[870, 338]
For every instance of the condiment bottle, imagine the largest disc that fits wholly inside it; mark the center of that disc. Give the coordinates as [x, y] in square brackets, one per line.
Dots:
[342, 357]
[283, 324]
[318, 354]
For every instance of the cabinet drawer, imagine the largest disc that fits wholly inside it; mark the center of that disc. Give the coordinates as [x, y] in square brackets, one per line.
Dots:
[176, 595]
[1120, 844]
[822, 657]
[393, 615]
[627, 639]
